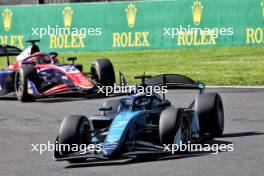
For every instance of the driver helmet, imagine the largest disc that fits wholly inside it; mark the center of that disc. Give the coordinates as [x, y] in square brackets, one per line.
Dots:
[41, 58]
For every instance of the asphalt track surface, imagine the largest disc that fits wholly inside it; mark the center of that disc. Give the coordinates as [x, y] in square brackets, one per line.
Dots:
[23, 124]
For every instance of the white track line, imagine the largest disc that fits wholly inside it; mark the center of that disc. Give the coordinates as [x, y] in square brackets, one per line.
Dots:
[237, 87]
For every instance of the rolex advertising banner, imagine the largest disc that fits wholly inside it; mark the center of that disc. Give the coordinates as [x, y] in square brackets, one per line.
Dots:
[135, 25]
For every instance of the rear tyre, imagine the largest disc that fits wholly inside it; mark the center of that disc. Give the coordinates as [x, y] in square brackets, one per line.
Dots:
[173, 127]
[74, 131]
[211, 113]
[25, 73]
[103, 72]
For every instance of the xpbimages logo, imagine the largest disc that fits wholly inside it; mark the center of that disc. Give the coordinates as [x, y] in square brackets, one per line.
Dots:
[67, 29]
[182, 31]
[189, 147]
[50, 31]
[70, 34]
[149, 90]
[51, 147]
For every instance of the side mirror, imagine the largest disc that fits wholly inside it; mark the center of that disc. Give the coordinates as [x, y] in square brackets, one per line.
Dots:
[164, 103]
[105, 108]
[72, 59]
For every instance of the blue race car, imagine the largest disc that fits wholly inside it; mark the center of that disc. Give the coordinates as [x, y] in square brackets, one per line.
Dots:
[141, 124]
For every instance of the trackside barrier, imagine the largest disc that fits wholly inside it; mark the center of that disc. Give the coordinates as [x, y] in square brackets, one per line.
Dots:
[135, 25]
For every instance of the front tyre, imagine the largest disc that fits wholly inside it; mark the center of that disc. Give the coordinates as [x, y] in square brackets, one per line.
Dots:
[73, 132]
[174, 128]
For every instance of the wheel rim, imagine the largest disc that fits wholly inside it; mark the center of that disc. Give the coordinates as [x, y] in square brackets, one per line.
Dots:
[178, 136]
[83, 133]
[19, 85]
[183, 134]
[95, 75]
[220, 116]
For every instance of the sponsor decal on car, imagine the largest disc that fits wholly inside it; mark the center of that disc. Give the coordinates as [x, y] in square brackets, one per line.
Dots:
[64, 77]
[70, 69]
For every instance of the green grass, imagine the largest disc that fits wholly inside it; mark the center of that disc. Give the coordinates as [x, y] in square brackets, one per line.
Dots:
[213, 66]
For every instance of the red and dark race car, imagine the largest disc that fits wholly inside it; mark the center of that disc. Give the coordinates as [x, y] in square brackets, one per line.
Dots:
[36, 74]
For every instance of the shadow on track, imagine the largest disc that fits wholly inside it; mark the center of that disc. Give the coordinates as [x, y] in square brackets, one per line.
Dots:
[70, 97]
[155, 158]
[64, 98]
[237, 90]
[243, 134]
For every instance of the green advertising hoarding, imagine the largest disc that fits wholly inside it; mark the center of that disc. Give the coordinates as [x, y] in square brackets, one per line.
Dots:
[135, 25]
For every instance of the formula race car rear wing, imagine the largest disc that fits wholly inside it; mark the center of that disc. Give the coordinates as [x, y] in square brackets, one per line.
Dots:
[175, 81]
[171, 81]
[7, 50]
